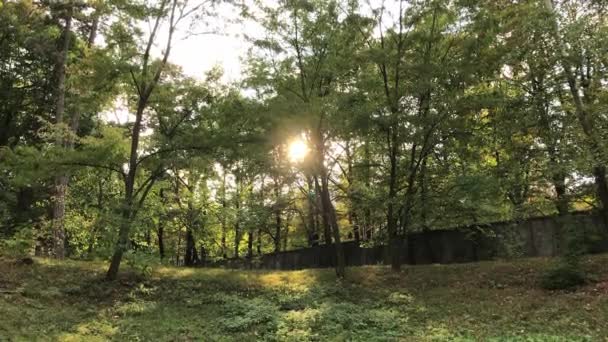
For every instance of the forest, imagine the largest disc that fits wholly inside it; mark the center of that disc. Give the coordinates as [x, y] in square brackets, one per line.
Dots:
[351, 121]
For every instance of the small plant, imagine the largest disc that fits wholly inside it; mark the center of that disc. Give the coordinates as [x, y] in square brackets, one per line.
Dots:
[243, 314]
[141, 263]
[512, 245]
[565, 275]
[568, 272]
[20, 246]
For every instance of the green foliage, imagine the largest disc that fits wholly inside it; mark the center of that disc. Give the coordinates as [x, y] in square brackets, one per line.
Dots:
[440, 113]
[65, 300]
[565, 275]
[142, 263]
[512, 244]
[244, 314]
[20, 245]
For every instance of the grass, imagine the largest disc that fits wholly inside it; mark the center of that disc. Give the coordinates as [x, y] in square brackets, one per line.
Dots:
[495, 301]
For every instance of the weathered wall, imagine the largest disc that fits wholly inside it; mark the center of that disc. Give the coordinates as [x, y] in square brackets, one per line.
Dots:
[542, 236]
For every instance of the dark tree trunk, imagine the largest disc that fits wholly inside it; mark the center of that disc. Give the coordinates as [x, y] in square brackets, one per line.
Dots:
[277, 231]
[190, 255]
[311, 215]
[250, 238]
[324, 218]
[391, 220]
[203, 255]
[330, 214]
[161, 243]
[237, 225]
[602, 190]
[223, 219]
[259, 242]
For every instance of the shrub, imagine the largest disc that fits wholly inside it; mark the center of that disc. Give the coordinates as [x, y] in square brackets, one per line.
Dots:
[565, 275]
[19, 246]
[141, 263]
[244, 314]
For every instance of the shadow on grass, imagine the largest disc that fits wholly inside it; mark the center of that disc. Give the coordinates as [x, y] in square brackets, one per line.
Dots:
[70, 301]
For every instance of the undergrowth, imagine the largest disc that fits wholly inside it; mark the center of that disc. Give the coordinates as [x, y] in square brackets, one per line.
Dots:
[500, 301]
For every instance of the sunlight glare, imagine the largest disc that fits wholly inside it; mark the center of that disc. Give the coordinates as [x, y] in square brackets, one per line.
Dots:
[297, 150]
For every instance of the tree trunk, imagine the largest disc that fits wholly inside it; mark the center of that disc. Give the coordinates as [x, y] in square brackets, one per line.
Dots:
[224, 247]
[391, 220]
[277, 232]
[127, 210]
[237, 225]
[145, 87]
[324, 218]
[262, 200]
[259, 242]
[121, 246]
[311, 217]
[190, 255]
[599, 173]
[61, 181]
[330, 213]
[250, 243]
[161, 243]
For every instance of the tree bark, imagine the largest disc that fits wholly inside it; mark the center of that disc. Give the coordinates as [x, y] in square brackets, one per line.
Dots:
[190, 255]
[250, 237]
[278, 219]
[391, 219]
[224, 247]
[161, 243]
[324, 218]
[329, 212]
[237, 225]
[61, 181]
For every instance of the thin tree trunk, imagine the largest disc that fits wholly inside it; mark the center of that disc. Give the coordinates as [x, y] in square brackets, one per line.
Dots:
[312, 222]
[145, 88]
[250, 238]
[262, 200]
[324, 218]
[178, 247]
[278, 219]
[161, 243]
[61, 181]
[329, 212]
[393, 237]
[191, 255]
[224, 247]
[367, 213]
[237, 225]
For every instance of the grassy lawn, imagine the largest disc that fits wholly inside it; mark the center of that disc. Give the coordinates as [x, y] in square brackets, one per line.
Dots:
[68, 301]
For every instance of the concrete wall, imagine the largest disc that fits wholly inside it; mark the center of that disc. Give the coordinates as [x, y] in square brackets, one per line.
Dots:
[542, 236]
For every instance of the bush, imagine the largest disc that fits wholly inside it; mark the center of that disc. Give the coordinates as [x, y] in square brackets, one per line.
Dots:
[20, 246]
[244, 314]
[565, 275]
[141, 263]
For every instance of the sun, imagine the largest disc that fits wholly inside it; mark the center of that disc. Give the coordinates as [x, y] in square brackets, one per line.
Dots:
[297, 150]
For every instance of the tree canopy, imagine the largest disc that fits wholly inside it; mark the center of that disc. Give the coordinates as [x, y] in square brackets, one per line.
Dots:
[362, 121]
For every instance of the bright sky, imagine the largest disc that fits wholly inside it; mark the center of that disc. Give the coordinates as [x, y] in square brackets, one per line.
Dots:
[197, 54]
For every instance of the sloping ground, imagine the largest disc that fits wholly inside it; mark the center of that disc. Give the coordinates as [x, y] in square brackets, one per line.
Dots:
[68, 301]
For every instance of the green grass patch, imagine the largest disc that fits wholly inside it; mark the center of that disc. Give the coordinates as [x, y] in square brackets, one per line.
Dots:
[494, 301]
